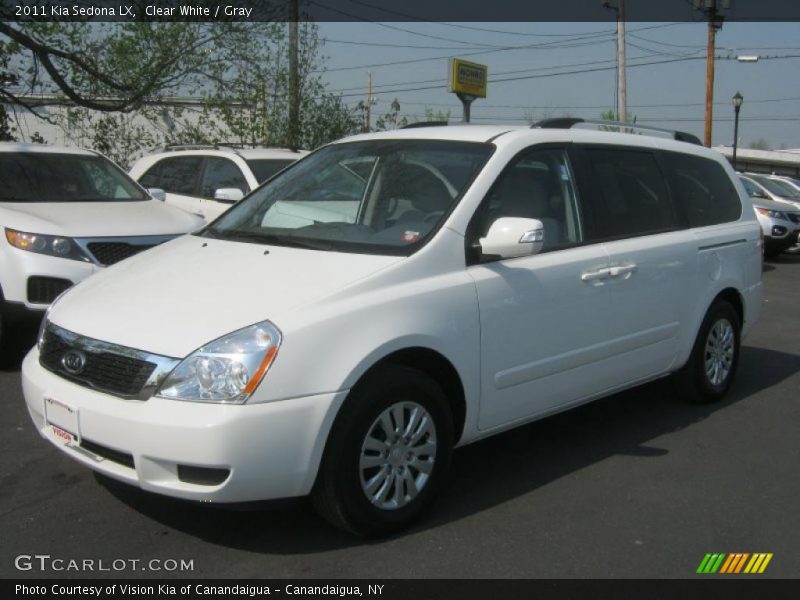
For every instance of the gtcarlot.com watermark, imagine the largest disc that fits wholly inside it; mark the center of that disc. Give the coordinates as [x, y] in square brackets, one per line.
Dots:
[48, 563]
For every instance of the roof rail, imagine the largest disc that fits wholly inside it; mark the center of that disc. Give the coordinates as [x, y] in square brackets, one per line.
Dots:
[424, 124]
[570, 122]
[230, 146]
[178, 147]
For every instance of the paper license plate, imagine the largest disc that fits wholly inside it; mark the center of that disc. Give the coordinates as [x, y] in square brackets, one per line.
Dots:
[63, 418]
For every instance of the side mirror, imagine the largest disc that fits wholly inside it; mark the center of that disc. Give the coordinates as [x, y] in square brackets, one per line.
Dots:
[511, 237]
[228, 194]
[157, 193]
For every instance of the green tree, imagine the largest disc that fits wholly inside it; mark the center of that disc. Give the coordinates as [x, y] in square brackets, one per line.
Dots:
[759, 144]
[392, 119]
[122, 79]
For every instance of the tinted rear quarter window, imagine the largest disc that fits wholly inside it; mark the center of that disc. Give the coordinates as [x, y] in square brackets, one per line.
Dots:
[264, 168]
[632, 198]
[702, 188]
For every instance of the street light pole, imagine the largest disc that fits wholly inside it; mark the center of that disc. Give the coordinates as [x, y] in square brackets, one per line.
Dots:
[737, 104]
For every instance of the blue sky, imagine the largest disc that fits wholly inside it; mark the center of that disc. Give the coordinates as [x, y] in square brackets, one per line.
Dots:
[670, 94]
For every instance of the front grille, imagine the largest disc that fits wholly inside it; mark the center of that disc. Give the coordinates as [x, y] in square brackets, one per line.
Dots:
[102, 370]
[794, 217]
[43, 290]
[109, 253]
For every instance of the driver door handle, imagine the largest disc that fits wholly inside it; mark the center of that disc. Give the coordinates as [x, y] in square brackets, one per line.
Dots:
[597, 275]
[623, 271]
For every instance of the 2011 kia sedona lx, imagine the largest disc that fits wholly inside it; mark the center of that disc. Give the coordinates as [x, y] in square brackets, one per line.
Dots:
[392, 296]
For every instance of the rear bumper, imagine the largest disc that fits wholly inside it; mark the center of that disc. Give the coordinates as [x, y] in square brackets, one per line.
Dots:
[260, 451]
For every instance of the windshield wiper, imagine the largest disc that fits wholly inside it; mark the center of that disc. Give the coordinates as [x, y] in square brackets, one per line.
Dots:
[294, 242]
[269, 238]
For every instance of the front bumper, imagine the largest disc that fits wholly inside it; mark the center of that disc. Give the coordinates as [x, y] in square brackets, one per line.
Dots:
[19, 266]
[270, 450]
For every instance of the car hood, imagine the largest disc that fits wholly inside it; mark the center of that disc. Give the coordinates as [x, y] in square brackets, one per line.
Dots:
[178, 296]
[97, 219]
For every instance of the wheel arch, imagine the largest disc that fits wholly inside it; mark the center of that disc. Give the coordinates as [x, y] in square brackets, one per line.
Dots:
[436, 366]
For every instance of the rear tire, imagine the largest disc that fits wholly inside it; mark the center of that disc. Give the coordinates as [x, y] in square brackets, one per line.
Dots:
[387, 453]
[711, 367]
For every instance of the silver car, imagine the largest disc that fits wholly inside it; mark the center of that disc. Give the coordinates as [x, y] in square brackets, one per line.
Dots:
[772, 188]
[781, 227]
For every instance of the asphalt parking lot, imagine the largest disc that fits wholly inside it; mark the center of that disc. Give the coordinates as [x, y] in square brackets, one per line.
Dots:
[636, 485]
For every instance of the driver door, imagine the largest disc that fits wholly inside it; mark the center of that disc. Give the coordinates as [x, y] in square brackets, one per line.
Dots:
[544, 326]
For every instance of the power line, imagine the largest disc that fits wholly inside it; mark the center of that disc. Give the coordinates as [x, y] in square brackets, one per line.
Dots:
[543, 45]
[573, 72]
[601, 106]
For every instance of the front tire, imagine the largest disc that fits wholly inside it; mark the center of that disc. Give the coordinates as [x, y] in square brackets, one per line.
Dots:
[709, 373]
[387, 453]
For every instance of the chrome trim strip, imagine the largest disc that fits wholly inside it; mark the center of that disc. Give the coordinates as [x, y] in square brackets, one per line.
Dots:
[133, 240]
[164, 364]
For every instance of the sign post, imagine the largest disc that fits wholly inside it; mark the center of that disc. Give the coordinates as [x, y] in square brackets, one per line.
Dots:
[468, 81]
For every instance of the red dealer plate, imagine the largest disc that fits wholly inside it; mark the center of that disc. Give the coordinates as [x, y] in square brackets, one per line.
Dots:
[63, 419]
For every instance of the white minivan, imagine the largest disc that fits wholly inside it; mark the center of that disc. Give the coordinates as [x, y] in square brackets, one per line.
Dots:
[392, 296]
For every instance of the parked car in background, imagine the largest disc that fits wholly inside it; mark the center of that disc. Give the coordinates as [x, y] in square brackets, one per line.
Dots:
[774, 189]
[780, 221]
[780, 225]
[67, 213]
[793, 182]
[207, 180]
[395, 295]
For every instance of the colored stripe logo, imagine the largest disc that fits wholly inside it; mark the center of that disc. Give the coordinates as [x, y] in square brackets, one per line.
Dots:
[734, 563]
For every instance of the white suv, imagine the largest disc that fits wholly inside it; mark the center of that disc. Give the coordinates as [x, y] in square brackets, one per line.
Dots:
[67, 213]
[395, 295]
[207, 180]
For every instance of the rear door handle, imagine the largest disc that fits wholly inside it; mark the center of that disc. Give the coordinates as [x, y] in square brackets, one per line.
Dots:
[597, 275]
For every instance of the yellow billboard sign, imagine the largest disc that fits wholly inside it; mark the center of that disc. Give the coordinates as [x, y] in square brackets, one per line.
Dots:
[468, 78]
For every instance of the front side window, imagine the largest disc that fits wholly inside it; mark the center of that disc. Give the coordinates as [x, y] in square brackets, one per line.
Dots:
[375, 197]
[177, 175]
[222, 173]
[537, 185]
[632, 198]
[53, 177]
[702, 188]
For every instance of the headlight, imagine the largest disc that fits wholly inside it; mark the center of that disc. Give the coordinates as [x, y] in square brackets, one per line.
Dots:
[51, 245]
[775, 214]
[227, 370]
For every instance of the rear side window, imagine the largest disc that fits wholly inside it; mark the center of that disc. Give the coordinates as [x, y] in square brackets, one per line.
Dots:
[702, 188]
[632, 197]
[177, 175]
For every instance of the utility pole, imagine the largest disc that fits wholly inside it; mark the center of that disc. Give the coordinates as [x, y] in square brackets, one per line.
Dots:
[622, 92]
[711, 9]
[369, 104]
[622, 88]
[294, 76]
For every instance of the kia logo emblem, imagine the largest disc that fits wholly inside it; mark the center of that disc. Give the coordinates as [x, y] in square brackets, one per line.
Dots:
[73, 361]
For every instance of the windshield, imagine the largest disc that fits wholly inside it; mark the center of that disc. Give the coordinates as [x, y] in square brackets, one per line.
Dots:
[51, 177]
[752, 189]
[781, 188]
[382, 197]
[264, 168]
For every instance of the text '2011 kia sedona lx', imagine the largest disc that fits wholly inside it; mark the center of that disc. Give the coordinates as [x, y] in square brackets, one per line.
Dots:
[392, 296]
